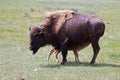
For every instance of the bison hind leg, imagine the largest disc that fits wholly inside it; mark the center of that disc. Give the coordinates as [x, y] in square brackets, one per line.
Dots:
[96, 49]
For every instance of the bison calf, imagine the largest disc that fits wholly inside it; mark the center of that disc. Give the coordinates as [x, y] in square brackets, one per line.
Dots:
[56, 52]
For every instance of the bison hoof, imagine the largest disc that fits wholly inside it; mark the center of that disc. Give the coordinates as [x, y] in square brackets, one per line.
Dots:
[63, 62]
[77, 61]
[92, 62]
[57, 61]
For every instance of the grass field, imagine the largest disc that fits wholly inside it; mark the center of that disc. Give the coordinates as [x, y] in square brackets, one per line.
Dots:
[16, 61]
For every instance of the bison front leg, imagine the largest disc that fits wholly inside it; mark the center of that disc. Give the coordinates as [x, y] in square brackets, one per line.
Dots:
[96, 49]
[64, 47]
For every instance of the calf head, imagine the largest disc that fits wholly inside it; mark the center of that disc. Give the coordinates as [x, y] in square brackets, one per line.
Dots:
[36, 39]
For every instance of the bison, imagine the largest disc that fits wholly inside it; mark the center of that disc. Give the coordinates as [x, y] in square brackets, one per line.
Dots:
[76, 33]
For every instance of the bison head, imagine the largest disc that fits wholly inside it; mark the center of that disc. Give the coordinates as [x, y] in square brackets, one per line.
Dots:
[36, 39]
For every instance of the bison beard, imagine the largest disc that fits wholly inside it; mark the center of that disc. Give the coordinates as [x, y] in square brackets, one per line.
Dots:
[33, 49]
[78, 31]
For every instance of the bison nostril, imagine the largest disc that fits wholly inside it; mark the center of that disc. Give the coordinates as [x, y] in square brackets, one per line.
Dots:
[31, 48]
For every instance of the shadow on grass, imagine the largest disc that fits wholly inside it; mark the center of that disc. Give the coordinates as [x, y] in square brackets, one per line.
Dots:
[83, 64]
[92, 65]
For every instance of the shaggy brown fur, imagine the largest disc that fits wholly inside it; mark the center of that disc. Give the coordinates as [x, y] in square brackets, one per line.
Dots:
[61, 16]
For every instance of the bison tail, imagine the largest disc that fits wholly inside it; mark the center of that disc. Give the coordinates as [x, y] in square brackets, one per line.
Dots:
[103, 29]
[100, 29]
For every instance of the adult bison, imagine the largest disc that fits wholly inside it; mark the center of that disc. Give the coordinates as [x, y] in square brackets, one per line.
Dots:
[77, 32]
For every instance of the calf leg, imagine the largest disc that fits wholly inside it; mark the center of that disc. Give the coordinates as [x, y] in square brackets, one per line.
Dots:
[56, 55]
[64, 47]
[76, 56]
[96, 49]
[49, 54]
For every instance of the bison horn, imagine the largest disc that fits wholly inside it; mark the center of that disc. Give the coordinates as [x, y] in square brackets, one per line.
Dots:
[29, 28]
[41, 31]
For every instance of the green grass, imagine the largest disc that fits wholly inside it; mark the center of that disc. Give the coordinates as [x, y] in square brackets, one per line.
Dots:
[16, 61]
